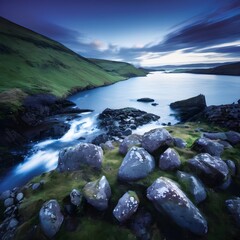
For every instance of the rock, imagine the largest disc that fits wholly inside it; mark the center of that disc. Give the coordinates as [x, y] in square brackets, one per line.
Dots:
[51, 218]
[127, 132]
[137, 164]
[212, 170]
[216, 136]
[154, 104]
[189, 107]
[169, 160]
[20, 197]
[145, 100]
[102, 138]
[128, 142]
[156, 138]
[126, 206]
[73, 158]
[166, 196]
[13, 224]
[233, 137]
[233, 206]
[194, 185]
[4, 195]
[232, 167]
[180, 143]
[141, 224]
[225, 144]
[107, 146]
[226, 184]
[97, 193]
[10, 211]
[56, 131]
[76, 197]
[36, 186]
[205, 145]
[8, 202]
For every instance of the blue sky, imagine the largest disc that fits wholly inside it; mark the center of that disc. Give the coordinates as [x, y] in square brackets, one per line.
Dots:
[143, 32]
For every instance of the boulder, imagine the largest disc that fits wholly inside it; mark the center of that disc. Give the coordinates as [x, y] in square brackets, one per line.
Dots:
[137, 164]
[97, 193]
[73, 158]
[212, 170]
[128, 142]
[145, 100]
[126, 206]
[233, 206]
[156, 138]
[194, 186]
[4, 195]
[76, 197]
[13, 224]
[51, 218]
[180, 143]
[169, 160]
[216, 136]
[189, 107]
[102, 138]
[233, 137]
[169, 198]
[232, 167]
[8, 202]
[205, 145]
[107, 146]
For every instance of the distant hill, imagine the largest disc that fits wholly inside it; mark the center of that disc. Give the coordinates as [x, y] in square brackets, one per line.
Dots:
[32, 63]
[228, 69]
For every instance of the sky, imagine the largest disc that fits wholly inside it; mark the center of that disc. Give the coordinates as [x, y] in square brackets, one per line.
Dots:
[146, 33]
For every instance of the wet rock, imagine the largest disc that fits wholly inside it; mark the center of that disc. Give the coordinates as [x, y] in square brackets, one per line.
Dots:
[189, 107]
[180, 143]
[127, 132]
[141, 224]
[102, 138]
[19, 197]
[51, 218]
[145, 100]
[154, 104]
[194, 185]
[232, 167]
[137, 164]
[8, 202]
[155, 139]
[126, 206]
[169, 160]
[128, 142]
[233, 206]
[212, 170]
[76, 197]
[166, 196]
[73, 158]
[97, 193]
[205, 145]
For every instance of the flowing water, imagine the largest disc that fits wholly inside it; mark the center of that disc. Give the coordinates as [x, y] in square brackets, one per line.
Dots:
[163, 87]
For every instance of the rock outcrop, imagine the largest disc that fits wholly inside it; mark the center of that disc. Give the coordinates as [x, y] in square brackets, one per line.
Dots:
[137, 164]
[73, 158]
[168, 197]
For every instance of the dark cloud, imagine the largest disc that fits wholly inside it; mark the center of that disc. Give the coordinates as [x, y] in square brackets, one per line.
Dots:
[233, 51]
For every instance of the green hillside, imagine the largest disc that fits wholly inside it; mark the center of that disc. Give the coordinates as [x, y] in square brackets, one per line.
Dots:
[119, 68]
[35, 64]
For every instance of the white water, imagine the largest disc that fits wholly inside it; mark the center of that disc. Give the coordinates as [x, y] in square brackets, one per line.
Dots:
[164, 88]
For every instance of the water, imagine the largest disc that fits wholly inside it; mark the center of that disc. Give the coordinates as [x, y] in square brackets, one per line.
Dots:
[164, 88]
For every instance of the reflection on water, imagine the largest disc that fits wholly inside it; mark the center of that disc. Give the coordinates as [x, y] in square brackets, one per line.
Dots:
[164, 88]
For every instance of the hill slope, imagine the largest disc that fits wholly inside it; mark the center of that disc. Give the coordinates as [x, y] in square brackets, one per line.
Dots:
[35, 64]
[119, 68]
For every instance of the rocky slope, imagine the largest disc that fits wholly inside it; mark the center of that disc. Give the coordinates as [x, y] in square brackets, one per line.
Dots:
[129, 195]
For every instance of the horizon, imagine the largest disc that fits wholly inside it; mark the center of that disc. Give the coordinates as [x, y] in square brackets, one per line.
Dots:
[145, 34]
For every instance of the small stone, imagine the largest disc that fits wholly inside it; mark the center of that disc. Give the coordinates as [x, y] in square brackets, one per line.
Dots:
[8, 202]
[36, 186]
[13, 223]
[76, 197]
[20, 197]
[5, 195]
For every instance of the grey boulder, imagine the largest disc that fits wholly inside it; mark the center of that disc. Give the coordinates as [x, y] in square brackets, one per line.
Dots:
[169, 198]
[169, 160]
[155, 139]
[126, 206]
[51, 218]
[97, 193]
[73, 158]
[194, 186]
[233, 206]
[180, 143]
[232, 167]
[212, 170]
[233, 137]
[76, 197]
[137, 164]
[205, 145]
[128, 142]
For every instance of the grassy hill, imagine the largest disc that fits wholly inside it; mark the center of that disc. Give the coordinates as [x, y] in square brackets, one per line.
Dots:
[32, 63]
[119, 68]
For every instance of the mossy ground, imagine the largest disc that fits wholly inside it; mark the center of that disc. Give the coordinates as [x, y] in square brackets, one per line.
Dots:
[92, 224]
